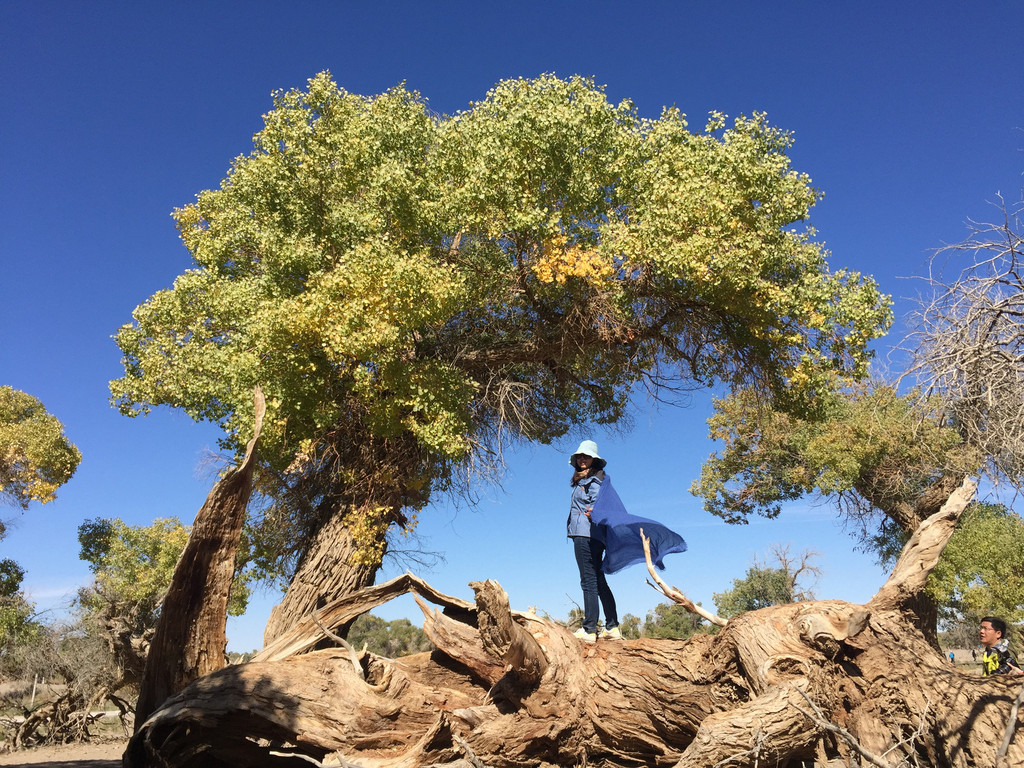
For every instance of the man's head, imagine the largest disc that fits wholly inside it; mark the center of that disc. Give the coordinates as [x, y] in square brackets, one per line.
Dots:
[991, 631]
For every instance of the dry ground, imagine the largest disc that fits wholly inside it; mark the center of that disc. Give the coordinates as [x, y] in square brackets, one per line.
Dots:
[93, 755]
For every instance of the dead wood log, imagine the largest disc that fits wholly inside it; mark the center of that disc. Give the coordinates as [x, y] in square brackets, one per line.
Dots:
[816, 681]
[309, 632]
[190, 639]
[502, 638]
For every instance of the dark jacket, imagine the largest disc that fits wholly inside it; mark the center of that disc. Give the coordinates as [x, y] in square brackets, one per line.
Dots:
[998, 660]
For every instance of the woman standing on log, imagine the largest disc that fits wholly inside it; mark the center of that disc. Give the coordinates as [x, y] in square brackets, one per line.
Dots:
[588, 473]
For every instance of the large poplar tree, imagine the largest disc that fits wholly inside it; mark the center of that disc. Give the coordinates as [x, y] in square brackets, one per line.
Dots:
[412, 291]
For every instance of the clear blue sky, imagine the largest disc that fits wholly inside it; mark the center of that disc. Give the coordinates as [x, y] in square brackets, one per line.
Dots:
[909, 116]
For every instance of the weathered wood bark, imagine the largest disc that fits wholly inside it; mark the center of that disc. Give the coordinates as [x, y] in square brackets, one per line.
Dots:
[816, 681]
[908, 514]
[327, 572]
[190, 639]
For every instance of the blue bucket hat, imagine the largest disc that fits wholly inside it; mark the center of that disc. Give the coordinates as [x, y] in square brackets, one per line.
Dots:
[588, 448]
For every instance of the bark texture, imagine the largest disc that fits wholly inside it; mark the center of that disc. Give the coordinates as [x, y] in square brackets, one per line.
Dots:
[823, 682]
[190, 639]
[327, 571]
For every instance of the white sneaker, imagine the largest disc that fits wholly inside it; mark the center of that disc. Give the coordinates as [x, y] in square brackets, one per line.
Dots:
[586, 637]
[611, 634]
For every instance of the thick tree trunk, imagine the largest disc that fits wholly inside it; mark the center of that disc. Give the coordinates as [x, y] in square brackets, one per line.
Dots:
[190, 639]
[920, 607]
[328, 571]
[826, 682]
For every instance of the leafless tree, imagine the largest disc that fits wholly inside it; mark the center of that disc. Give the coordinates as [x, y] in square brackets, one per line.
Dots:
[967, 343]
[795, 568]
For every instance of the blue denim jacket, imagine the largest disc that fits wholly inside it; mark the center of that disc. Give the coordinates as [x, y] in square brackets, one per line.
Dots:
[584, 493]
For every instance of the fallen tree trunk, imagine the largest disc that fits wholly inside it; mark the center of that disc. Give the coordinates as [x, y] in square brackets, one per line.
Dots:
[815, 682]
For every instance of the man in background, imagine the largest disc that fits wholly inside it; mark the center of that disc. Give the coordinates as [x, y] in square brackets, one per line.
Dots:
[996, 658]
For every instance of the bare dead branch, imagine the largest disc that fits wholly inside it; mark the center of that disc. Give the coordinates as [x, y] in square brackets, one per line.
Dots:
[467, 751]
[353, 656]
[967, 343]
[674, 594]
[819, 719]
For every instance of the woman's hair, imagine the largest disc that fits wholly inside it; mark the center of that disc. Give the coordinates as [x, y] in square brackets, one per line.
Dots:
[580, 474]
[594, 470]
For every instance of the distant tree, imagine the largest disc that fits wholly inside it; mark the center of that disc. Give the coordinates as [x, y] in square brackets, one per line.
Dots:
[133, 567]
[980, 570]
[414, 291]
[575, 619]
[101, 654]
[18, 628]
[629, 625]
[135, 562]
[35, 460]
[760, 588]
[391, 639]
[673, 620]
[35, 456]
[767, 584]
[961, 631]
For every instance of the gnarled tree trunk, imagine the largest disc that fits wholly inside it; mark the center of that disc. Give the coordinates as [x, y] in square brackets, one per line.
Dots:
[328, 571]
[190, 639]
[920, 607]
[818, 681]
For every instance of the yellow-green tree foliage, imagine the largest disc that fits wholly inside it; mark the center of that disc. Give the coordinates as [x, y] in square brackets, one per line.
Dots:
[18, 627]
[517, 267]
[980, 569]
[863, 441]
[35, 456]
[133, 565]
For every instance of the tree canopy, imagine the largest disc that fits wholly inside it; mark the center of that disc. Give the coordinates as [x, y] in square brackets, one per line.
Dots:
[133, 565]
[979, 572]
[767, 584]
[890, 460]
[867, 444]
[36, 457]
[411, 290]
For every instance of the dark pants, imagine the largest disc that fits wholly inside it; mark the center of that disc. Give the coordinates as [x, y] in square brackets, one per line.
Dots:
[588, 557]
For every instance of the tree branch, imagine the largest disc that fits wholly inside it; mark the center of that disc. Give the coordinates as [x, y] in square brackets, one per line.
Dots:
[674, 594]
[819, 719]
[1011, 726]
[922, 552]
[346, 645]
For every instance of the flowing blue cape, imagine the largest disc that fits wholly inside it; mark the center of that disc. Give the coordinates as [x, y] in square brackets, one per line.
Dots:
[619, 531]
